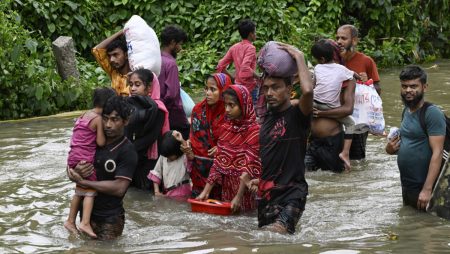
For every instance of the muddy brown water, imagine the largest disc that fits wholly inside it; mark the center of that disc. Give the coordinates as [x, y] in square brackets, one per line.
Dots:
[358, 212]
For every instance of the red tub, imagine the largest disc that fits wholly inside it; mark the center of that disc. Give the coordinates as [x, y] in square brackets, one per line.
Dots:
[211, 206]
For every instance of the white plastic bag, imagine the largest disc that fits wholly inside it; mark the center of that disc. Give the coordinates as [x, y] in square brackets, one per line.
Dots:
[188, 103]
[143, 45]
[368, 109]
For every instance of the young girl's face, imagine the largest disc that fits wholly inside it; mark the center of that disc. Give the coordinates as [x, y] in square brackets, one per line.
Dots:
[232, 107]
[212, 93]
[137, 87]
[172, 157]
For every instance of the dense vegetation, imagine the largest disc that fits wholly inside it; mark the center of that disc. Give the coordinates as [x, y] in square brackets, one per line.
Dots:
[393, 32]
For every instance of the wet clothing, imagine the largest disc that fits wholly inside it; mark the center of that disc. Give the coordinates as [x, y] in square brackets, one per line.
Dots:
[415, 153]
[118, 81]
[170, 94]
[361, 63]
[237, 152]
[243, 55]
[324, 153]
[205, 130]
[83, 144]
[283, 139]
[115, 160]
[287, 214]
[108, 228]
[143, 130]
[174, 176]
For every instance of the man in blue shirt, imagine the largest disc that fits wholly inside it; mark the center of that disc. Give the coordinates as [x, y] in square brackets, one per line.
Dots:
[419, 155]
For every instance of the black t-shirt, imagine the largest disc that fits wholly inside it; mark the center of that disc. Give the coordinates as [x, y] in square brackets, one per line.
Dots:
[283, 138]
[114, 160]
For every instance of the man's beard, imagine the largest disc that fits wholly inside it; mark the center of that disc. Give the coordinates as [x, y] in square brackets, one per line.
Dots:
[415, 102]
[349, 48]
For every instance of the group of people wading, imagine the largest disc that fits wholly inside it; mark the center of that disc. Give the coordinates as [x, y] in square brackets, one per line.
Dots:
[138, 135]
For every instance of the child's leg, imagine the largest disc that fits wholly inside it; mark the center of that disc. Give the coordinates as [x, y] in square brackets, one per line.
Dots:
[85, 225]
[349, 124]
[70, 222]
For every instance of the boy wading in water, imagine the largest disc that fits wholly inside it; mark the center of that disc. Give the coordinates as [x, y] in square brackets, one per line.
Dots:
[330, 78]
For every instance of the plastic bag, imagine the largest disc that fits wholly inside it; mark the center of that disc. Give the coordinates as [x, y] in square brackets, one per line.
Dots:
[368, 109]
[143, 45]
[188, 103]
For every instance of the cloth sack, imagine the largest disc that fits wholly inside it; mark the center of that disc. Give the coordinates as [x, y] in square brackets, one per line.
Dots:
[276, 62]
[143, 45]
[368, 109]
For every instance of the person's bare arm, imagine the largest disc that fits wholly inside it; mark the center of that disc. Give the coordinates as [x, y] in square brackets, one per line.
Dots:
[345, 109]
[236, 202]
[205, 193]
[436, 144]
[156, 189]
[108, 40]
[82, 170]
[306, 83]
[100, 138]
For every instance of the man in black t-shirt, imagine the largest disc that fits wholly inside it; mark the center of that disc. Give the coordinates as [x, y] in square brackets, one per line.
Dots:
[115, 164]
[282, 187]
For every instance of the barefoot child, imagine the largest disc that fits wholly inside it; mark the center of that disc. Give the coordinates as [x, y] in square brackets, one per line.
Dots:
[330, 78]
[171, 168]
[87, 135]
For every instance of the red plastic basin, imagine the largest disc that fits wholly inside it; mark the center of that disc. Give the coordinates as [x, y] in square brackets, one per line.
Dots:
[210, 206]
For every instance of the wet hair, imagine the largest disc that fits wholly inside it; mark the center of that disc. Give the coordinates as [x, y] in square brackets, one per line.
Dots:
[101, 95]
[172, 33]
[145, 75]
[412, 72]
[169, 145]
[120, 105]
[323, 49]
[353, 30]
[245, 27]
[120, 42]
[233, 94]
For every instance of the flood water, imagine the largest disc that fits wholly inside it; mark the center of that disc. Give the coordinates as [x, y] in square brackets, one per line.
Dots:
[357, 212]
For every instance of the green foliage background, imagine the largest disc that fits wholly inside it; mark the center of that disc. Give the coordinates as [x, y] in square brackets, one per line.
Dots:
[393, 32]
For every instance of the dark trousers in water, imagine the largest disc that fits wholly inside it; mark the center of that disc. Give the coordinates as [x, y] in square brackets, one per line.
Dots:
[410, 197]
[323, 153]
[358, 148]
[108, 228]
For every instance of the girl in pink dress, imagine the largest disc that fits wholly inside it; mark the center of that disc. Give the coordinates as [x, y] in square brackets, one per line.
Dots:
[87, 135]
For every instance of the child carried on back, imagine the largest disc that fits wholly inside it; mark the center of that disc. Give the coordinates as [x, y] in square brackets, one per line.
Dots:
[330, 78]
[171, 168]
[87, 135]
